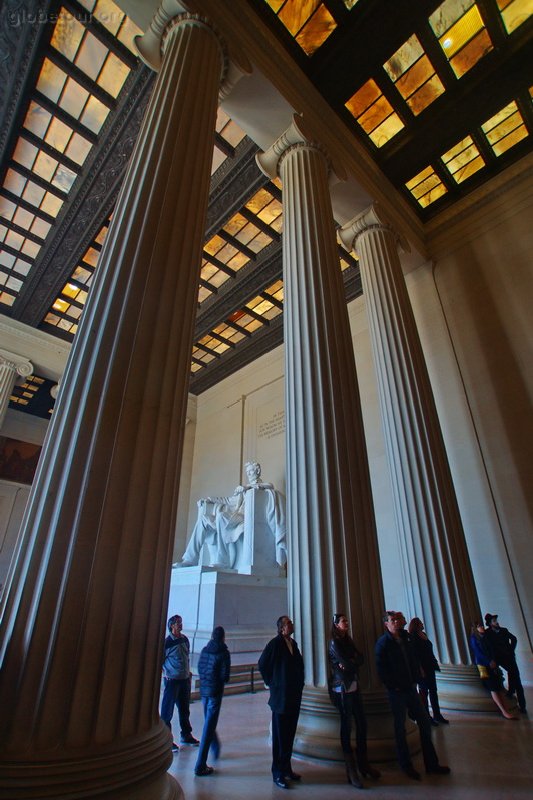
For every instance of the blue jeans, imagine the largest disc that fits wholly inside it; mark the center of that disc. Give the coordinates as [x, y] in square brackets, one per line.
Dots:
[401, 703]
[209, 734]
[177, 692]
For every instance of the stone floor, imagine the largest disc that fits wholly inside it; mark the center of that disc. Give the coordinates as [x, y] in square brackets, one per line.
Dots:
[491, 759]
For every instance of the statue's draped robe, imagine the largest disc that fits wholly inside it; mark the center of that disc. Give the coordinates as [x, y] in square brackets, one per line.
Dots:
[220, 524]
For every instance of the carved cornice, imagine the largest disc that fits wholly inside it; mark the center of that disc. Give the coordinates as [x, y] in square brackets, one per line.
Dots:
[22, 28]
[94, 197]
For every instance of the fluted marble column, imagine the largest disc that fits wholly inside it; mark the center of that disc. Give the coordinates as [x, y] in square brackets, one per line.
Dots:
[435, 564]
[83, 619]
[12, 367]
[333, 562]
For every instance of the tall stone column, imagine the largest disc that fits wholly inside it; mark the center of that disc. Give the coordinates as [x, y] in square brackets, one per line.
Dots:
[435, 564]
[333, 563]
[83, 619]
[12, 367]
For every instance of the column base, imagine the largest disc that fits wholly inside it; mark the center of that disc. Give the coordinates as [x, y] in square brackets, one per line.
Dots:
[164, 788]
[135, 772]
[460, 689]
[318, 734]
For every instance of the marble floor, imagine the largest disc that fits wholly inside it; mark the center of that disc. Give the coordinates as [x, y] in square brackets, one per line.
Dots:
[491, 759]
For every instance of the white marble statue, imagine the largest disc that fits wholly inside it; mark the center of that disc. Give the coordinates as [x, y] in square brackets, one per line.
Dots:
[224, 523]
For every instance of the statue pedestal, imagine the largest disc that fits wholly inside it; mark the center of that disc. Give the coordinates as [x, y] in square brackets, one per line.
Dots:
[247, 606]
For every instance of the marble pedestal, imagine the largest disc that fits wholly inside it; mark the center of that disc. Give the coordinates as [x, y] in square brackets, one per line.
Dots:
[247, 606]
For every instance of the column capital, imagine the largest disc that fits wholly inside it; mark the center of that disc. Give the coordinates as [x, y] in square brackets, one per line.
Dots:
[172, 14]
[19, 364]
[372, 218]
[297, 135]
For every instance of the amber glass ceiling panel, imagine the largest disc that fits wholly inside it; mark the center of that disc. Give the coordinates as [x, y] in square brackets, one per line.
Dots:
[230, 132]
[463, 160]
[515, 12]
[426, 187]
[239, 241]
[67, 309]
[308, 21]
[461, 32]
[374, 113]
[505, 129]
[414, 76]
[48, 154]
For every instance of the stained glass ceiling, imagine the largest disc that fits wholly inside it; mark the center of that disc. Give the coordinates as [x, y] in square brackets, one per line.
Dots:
[399, 74]
[85, 66]
[440, 93]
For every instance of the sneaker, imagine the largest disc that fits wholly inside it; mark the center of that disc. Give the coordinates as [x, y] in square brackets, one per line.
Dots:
[204, 771]
[175, 747]
[441, 719]
[189, 739]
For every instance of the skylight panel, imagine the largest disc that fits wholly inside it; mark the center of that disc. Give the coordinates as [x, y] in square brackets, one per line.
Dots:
[373, 112]
[505, 129]
[515, 12]
[461, 32]
[414, 76]
[309, 22]
[426, 187]
[463, 160]
[43, 176]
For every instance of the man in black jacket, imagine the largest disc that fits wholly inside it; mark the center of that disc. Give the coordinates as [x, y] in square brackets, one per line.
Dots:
[282, 668]
[502, 645]
[398, 669]
[213, 669]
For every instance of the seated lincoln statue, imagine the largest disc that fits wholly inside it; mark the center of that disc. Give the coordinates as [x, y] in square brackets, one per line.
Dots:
[227, 525]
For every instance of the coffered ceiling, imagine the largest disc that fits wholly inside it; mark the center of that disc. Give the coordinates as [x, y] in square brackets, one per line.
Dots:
[438, 96]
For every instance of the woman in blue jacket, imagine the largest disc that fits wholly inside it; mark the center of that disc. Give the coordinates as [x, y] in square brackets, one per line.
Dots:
[487, 667]
[213, 669]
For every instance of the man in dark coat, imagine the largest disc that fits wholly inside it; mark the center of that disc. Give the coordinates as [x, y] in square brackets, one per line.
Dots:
[213, 669]
[502, 645]
[282, 668]
[398, 669]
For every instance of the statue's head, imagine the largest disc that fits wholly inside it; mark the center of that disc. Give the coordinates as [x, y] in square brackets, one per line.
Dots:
[253, 471]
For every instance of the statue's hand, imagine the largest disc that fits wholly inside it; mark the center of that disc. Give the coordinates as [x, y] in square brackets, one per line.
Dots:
[239, 490]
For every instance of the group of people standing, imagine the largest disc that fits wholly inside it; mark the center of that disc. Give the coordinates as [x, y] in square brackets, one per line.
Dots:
[282, 668]
[405, 664]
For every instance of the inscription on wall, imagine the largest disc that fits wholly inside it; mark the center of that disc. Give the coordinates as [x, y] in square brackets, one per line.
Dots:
[272, 427]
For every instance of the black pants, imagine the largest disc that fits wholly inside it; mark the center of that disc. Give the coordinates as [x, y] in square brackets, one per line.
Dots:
[350, 707]
[428, 686]
[515, 684]
[401, 704]
[283, 733]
